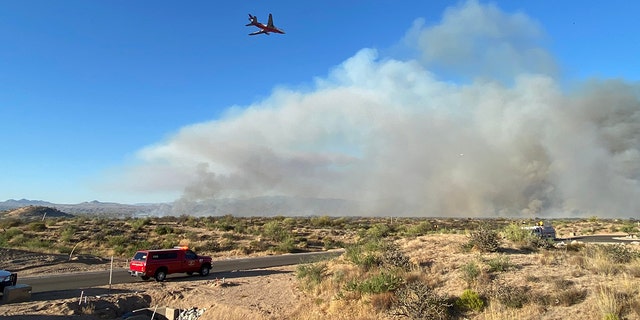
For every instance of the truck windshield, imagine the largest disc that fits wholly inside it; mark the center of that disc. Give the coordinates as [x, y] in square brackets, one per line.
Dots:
[140, 256]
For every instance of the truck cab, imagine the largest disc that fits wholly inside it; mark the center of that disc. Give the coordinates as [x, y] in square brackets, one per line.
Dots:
[160, 263]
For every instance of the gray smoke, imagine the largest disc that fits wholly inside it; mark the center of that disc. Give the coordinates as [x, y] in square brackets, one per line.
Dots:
[392, 137]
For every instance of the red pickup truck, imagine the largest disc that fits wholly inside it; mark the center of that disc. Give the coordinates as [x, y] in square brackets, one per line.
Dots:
[160, 263]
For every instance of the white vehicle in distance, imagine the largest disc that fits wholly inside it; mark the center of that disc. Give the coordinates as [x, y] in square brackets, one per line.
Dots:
[543, 229]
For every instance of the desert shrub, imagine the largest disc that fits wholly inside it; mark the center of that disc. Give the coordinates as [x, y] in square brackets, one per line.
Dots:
[416, 300]
[539, 243]
[469, 273]
[379, 283]
[419, 229]
[287, 245]
[485, 239]
[64, 249]
[329, 243]
[312, 273]
[515, 233]
[35, 243]
[67, 232]
[119, 250]
[321, 222]
[629, 228]
[209, 246]
[275, 231]
[393, 257]
[570, 296]
[10, 233]
[378, 230]
[470, 301]
[191, 236]
[466, 247]
[509, 295]
[225, 223]
[117, 241]
[130, 250]
[364, 254]
[163, 229]
[231, 236]
[19, 240]
[500, 263]
[37, 226]
[169, 242]
[137, 224]
[600, 260]
[620, 253]
[10, 223]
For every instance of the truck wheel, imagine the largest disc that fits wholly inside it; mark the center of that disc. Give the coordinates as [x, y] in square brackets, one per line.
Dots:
[145, 278]
[204, 271]
[161, 275]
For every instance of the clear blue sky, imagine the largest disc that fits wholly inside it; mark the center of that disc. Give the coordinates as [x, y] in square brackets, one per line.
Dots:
[85, 85]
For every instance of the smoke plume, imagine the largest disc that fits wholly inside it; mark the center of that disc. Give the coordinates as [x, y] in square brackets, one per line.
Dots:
[400, 137]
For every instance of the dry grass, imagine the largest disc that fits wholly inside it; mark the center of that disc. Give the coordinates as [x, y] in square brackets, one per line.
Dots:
[573, 282]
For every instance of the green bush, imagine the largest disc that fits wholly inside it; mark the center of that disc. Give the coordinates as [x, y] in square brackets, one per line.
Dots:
[365, 255]
[328, 243]
[470, 273]
[275, 231]
[470, 301]
[629, 228]
[287, 245]
[11, 233]
[163, 229]
[137, 224]
[536, 242]
[313, 273]
[321, 222]
[515, 233]
[382, 282]
[35, 243]
[378, 230]
[500, 263]
[114, 241]
[620, 253]
[37, 226]
[485, 239]
[420, 229]
[10, 223]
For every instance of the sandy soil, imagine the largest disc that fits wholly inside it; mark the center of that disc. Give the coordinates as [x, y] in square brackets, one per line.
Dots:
[254, 294]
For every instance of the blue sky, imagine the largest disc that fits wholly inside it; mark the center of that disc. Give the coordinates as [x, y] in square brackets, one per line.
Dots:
[88, 89]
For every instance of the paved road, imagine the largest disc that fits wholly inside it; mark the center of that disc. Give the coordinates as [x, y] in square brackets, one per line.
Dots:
[101, 278]
[601, 239]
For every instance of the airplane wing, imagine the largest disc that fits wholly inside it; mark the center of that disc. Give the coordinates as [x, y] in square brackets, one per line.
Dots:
[270, 23]
[258, 32]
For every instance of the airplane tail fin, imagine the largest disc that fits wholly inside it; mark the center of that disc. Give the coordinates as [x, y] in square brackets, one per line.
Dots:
[253, 19]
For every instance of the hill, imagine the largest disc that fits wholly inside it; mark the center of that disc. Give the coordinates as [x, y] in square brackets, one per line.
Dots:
[30, 212]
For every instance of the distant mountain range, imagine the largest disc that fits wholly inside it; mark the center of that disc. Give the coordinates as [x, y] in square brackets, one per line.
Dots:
[258, 206]
[89, 208]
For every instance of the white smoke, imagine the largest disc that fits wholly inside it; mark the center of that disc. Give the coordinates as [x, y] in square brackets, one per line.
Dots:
[394, 138]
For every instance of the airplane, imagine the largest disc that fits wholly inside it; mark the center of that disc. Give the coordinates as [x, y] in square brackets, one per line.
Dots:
[264, 29]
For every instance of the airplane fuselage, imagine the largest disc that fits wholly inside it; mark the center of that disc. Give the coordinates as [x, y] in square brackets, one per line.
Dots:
[267, 29]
